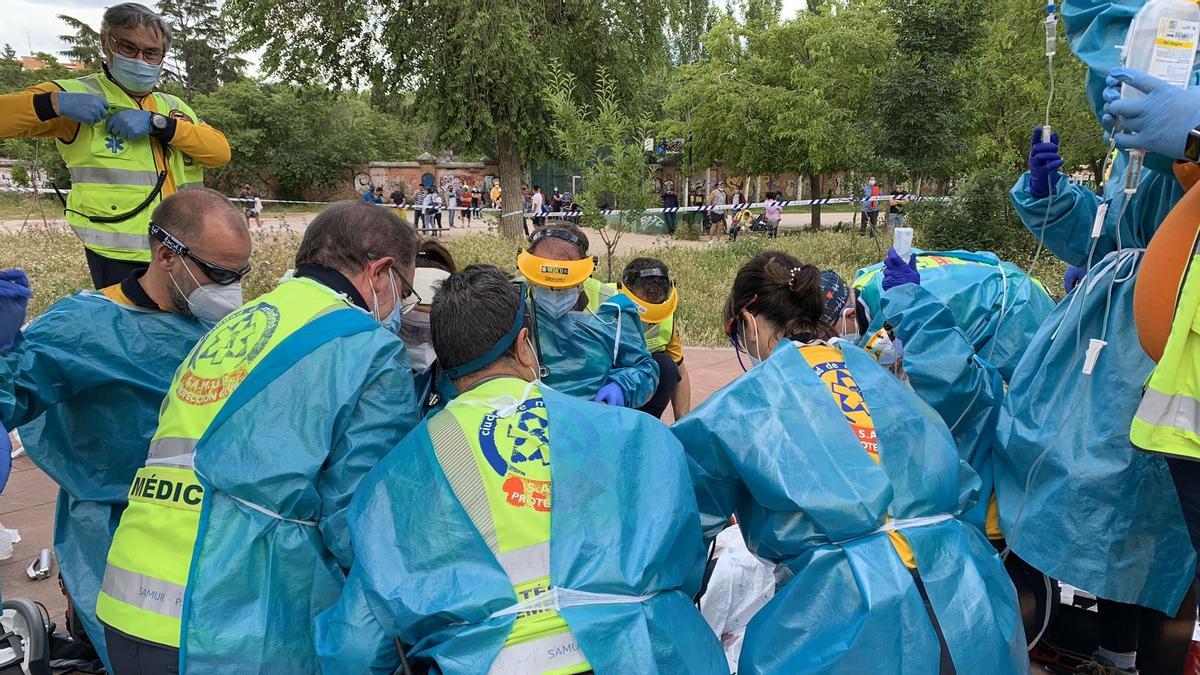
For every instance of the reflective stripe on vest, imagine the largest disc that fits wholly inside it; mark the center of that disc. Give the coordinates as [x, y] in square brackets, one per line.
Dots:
[1168, 419]
[152, 548]
[111, 176]
[98, 239]
[558, 652]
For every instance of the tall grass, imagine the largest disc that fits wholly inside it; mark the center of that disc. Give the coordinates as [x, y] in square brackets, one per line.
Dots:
[55, 263]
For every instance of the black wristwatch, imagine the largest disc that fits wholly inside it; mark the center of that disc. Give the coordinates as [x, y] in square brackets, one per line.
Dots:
[158, 122]
[1191, 150]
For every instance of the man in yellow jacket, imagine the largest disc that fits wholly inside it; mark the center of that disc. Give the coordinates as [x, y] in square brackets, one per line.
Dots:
[126, 146]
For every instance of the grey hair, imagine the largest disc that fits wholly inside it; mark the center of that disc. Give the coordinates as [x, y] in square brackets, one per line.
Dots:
[133, 15]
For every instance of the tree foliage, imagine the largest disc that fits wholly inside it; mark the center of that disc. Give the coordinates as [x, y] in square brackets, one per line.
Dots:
[200, 46]
[796, 96]
[606, 143]
[300, 138]
[83, 42]
[480, 66]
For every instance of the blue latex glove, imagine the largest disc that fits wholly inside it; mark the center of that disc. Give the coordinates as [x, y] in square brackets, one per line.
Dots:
[5, 457]
[611, 394]
[1159, 121]
[82, 108]
[1073, 276]
[896, 272]
[1044, 163]
[130, 124]
[14, 299]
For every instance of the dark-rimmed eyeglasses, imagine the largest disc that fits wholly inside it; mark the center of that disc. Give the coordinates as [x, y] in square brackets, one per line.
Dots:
[409, 298]
[131, 51]
[219, 274]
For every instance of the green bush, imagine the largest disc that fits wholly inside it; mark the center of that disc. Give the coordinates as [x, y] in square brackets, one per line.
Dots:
[978, 218]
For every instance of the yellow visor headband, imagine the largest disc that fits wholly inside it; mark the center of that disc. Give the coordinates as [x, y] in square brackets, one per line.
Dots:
[555, 273]
[650, 312]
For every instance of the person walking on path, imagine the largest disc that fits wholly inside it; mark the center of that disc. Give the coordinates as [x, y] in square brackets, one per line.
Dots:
[670, 200]
[870, 207]
[716, 217]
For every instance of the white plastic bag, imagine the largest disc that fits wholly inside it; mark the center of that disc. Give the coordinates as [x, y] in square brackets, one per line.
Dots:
[740, 585]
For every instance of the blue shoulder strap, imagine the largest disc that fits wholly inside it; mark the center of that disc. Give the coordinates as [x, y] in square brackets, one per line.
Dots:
[289, 351]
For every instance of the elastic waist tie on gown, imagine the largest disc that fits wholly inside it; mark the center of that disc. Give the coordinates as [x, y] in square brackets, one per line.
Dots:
[558, 598]
[263, 510]
[900, 524]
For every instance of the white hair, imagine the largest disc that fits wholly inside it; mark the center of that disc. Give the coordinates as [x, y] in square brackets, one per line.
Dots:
[133, 15]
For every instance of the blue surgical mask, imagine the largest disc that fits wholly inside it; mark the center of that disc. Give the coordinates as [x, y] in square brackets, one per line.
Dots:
[554, 301]
[134, 74]
[392, 321]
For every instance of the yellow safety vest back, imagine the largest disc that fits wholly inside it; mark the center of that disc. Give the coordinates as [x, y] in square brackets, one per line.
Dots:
[146, 577]
[510, 508]
[1168, 419]
[112, 176]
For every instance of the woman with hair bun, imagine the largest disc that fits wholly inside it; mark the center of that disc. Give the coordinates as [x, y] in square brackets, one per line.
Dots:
[842, 477]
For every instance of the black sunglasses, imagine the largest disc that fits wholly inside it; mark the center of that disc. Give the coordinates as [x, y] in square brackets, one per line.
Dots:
[218, 273]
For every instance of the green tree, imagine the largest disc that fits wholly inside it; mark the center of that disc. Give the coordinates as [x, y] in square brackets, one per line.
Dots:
[83, 42]
[300, 137]
[478, 68]
[606, 143]
[688, 21]
[762, 14]
[200, 45]
[922, 96]
[1010, 87]
[797, 96]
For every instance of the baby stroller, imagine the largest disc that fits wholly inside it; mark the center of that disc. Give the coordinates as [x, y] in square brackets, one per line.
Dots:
[761, 225]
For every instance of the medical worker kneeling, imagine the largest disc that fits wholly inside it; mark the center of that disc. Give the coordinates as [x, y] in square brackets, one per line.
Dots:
[595, 353]
[235, 536]
[520, 530]
[85, 380]
[838, 473]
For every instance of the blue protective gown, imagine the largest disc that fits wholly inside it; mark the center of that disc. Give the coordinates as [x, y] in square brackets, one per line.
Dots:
[84, 383]
[978, 288]
[945, 370]
[585, 351]
[297, 448]
[775, 449]
[964, 330]
[624, 522]
[1116, 505]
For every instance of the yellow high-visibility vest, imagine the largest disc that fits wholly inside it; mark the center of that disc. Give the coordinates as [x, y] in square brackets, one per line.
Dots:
[1168, 420]
[499, 470]
[145, 580]
[112, 176]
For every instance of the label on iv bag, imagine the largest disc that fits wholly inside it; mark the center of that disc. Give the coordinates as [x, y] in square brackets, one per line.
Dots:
[1174, 51]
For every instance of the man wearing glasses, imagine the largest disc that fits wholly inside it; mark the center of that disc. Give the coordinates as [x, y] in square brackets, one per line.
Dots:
[235, 536]
[85, 380]
[127, 147]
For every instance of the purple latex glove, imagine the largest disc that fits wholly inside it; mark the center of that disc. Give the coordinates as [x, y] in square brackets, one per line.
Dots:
[611, 394]
[14, 299]
[130, 124]
[5, 457]
[1044, 163]
[896, 272]
[1073, 276]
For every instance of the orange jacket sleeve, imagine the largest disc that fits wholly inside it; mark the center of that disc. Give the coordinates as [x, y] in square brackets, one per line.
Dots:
[204, 143]
[19, 116]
